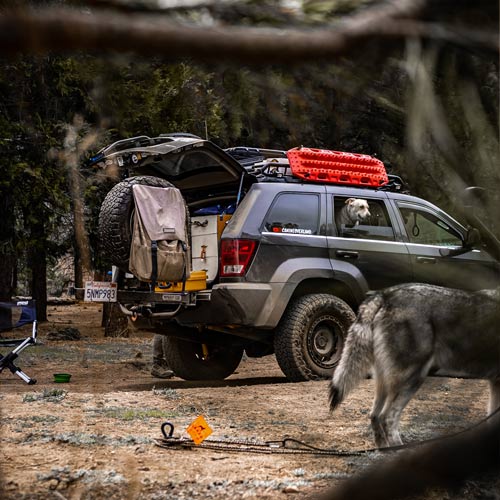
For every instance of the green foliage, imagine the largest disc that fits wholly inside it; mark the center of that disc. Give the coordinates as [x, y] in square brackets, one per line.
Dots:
[29, 127]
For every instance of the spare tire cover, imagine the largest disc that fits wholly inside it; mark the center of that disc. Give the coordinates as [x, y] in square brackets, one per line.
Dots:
[115, 219]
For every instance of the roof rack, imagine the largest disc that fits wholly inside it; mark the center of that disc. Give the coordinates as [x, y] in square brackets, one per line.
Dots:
[395, 185]
[250, 157]
[324, 166]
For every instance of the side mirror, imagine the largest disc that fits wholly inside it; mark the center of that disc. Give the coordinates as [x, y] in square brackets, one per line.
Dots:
[472, 239]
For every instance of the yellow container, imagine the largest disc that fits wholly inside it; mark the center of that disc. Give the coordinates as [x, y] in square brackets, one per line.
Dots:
[222, 221]
[196, 281]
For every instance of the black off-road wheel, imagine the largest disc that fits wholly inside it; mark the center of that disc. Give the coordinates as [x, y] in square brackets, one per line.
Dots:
[310, 337]
[115, 218]
[194, 361]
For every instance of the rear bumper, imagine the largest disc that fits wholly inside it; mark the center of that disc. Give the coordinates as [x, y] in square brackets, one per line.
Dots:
[142, 298]
[245, 304]
[242, 304]
[254, 305]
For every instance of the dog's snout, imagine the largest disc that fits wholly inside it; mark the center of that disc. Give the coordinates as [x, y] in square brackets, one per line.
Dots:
[365, 213]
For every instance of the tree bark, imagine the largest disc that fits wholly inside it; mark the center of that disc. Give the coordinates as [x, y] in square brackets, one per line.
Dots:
[447, 463]
[77, 264]
[7, 255]
[59, 28]
[37, 262]
[7, 251]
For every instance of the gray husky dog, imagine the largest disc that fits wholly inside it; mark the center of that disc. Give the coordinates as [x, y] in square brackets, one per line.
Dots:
[403, 332]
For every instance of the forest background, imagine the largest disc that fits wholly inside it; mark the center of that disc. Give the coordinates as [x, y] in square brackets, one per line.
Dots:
[423, 98]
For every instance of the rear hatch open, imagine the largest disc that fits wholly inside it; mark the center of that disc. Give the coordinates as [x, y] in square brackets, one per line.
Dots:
[211, 181]
[202, 171]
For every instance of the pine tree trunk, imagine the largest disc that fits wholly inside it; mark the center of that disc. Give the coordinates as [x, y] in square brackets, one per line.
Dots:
[82, 261]
[37, 262]
[7, 252]
[77, 263]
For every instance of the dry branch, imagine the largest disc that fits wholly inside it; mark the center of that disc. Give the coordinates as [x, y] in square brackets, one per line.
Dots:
[63, 29]
[446, 464]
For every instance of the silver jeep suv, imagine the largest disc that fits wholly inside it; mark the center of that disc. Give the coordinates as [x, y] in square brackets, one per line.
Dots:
[271, 271]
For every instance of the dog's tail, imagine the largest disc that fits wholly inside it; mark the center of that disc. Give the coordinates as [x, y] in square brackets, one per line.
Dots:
[357, 356]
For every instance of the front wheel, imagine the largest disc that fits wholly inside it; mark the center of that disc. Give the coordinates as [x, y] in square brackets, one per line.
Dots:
[310, 337]
[194, 361]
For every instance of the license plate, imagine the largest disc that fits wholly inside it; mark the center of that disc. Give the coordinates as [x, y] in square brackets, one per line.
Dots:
[166, 297]
[100, 291]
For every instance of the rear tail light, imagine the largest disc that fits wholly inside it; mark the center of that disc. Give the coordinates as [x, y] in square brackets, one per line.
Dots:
[236, 256]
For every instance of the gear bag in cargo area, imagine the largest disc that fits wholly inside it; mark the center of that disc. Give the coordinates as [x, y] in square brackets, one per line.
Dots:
[159, 250]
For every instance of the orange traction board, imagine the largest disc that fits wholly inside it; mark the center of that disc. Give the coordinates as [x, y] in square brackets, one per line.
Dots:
[323, 165]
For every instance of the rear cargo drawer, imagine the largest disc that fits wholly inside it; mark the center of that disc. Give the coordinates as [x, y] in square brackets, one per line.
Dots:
[209, 264]
[203, 224]
[206, 231]
[204, 244]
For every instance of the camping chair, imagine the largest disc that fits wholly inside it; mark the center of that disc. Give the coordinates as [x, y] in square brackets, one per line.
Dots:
[14, 315]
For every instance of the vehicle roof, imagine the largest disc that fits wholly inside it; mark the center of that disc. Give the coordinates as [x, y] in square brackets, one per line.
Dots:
[198, 166]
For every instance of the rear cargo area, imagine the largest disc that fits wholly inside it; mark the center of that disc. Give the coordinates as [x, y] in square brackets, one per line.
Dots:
[206, 232]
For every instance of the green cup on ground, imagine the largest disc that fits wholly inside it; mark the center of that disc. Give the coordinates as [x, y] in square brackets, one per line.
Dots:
[61, 377]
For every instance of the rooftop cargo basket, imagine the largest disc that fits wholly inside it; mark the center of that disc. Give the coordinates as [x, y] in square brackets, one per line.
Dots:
[322, 165]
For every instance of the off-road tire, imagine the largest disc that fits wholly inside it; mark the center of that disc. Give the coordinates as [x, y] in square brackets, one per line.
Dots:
[186, 359]
[310, 337]
[115, 218]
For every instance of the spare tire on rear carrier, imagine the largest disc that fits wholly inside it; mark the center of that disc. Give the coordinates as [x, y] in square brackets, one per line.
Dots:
[117, 216]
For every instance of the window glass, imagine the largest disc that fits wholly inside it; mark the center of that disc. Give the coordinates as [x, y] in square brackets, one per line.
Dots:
[427, 229]
[362, 218]
[294, 214]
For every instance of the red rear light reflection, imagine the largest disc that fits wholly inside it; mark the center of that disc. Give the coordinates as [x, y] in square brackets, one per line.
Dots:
[235, 256]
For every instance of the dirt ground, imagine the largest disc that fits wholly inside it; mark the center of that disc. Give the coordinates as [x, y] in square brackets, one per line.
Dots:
[94, 437]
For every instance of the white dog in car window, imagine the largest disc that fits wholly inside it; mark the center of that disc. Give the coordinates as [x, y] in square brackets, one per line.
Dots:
[355, 211]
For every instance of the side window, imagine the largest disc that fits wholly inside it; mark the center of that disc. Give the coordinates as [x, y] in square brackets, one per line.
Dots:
[427, 229]
[293, 214]
[362, 218]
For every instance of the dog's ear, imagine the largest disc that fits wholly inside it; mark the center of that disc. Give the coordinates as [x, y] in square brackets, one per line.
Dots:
[349, 201]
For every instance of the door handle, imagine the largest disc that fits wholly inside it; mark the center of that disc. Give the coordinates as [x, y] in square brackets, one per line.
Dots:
[426, 260]
[346, 254]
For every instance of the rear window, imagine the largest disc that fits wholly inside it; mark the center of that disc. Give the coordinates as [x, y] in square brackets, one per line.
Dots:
[293, 213]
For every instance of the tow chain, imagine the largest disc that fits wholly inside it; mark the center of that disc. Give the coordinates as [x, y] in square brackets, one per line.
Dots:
[282, 446]
[289, 445]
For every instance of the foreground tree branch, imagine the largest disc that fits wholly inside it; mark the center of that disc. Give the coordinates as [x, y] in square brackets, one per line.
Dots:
[447, 463]
[64, 29]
